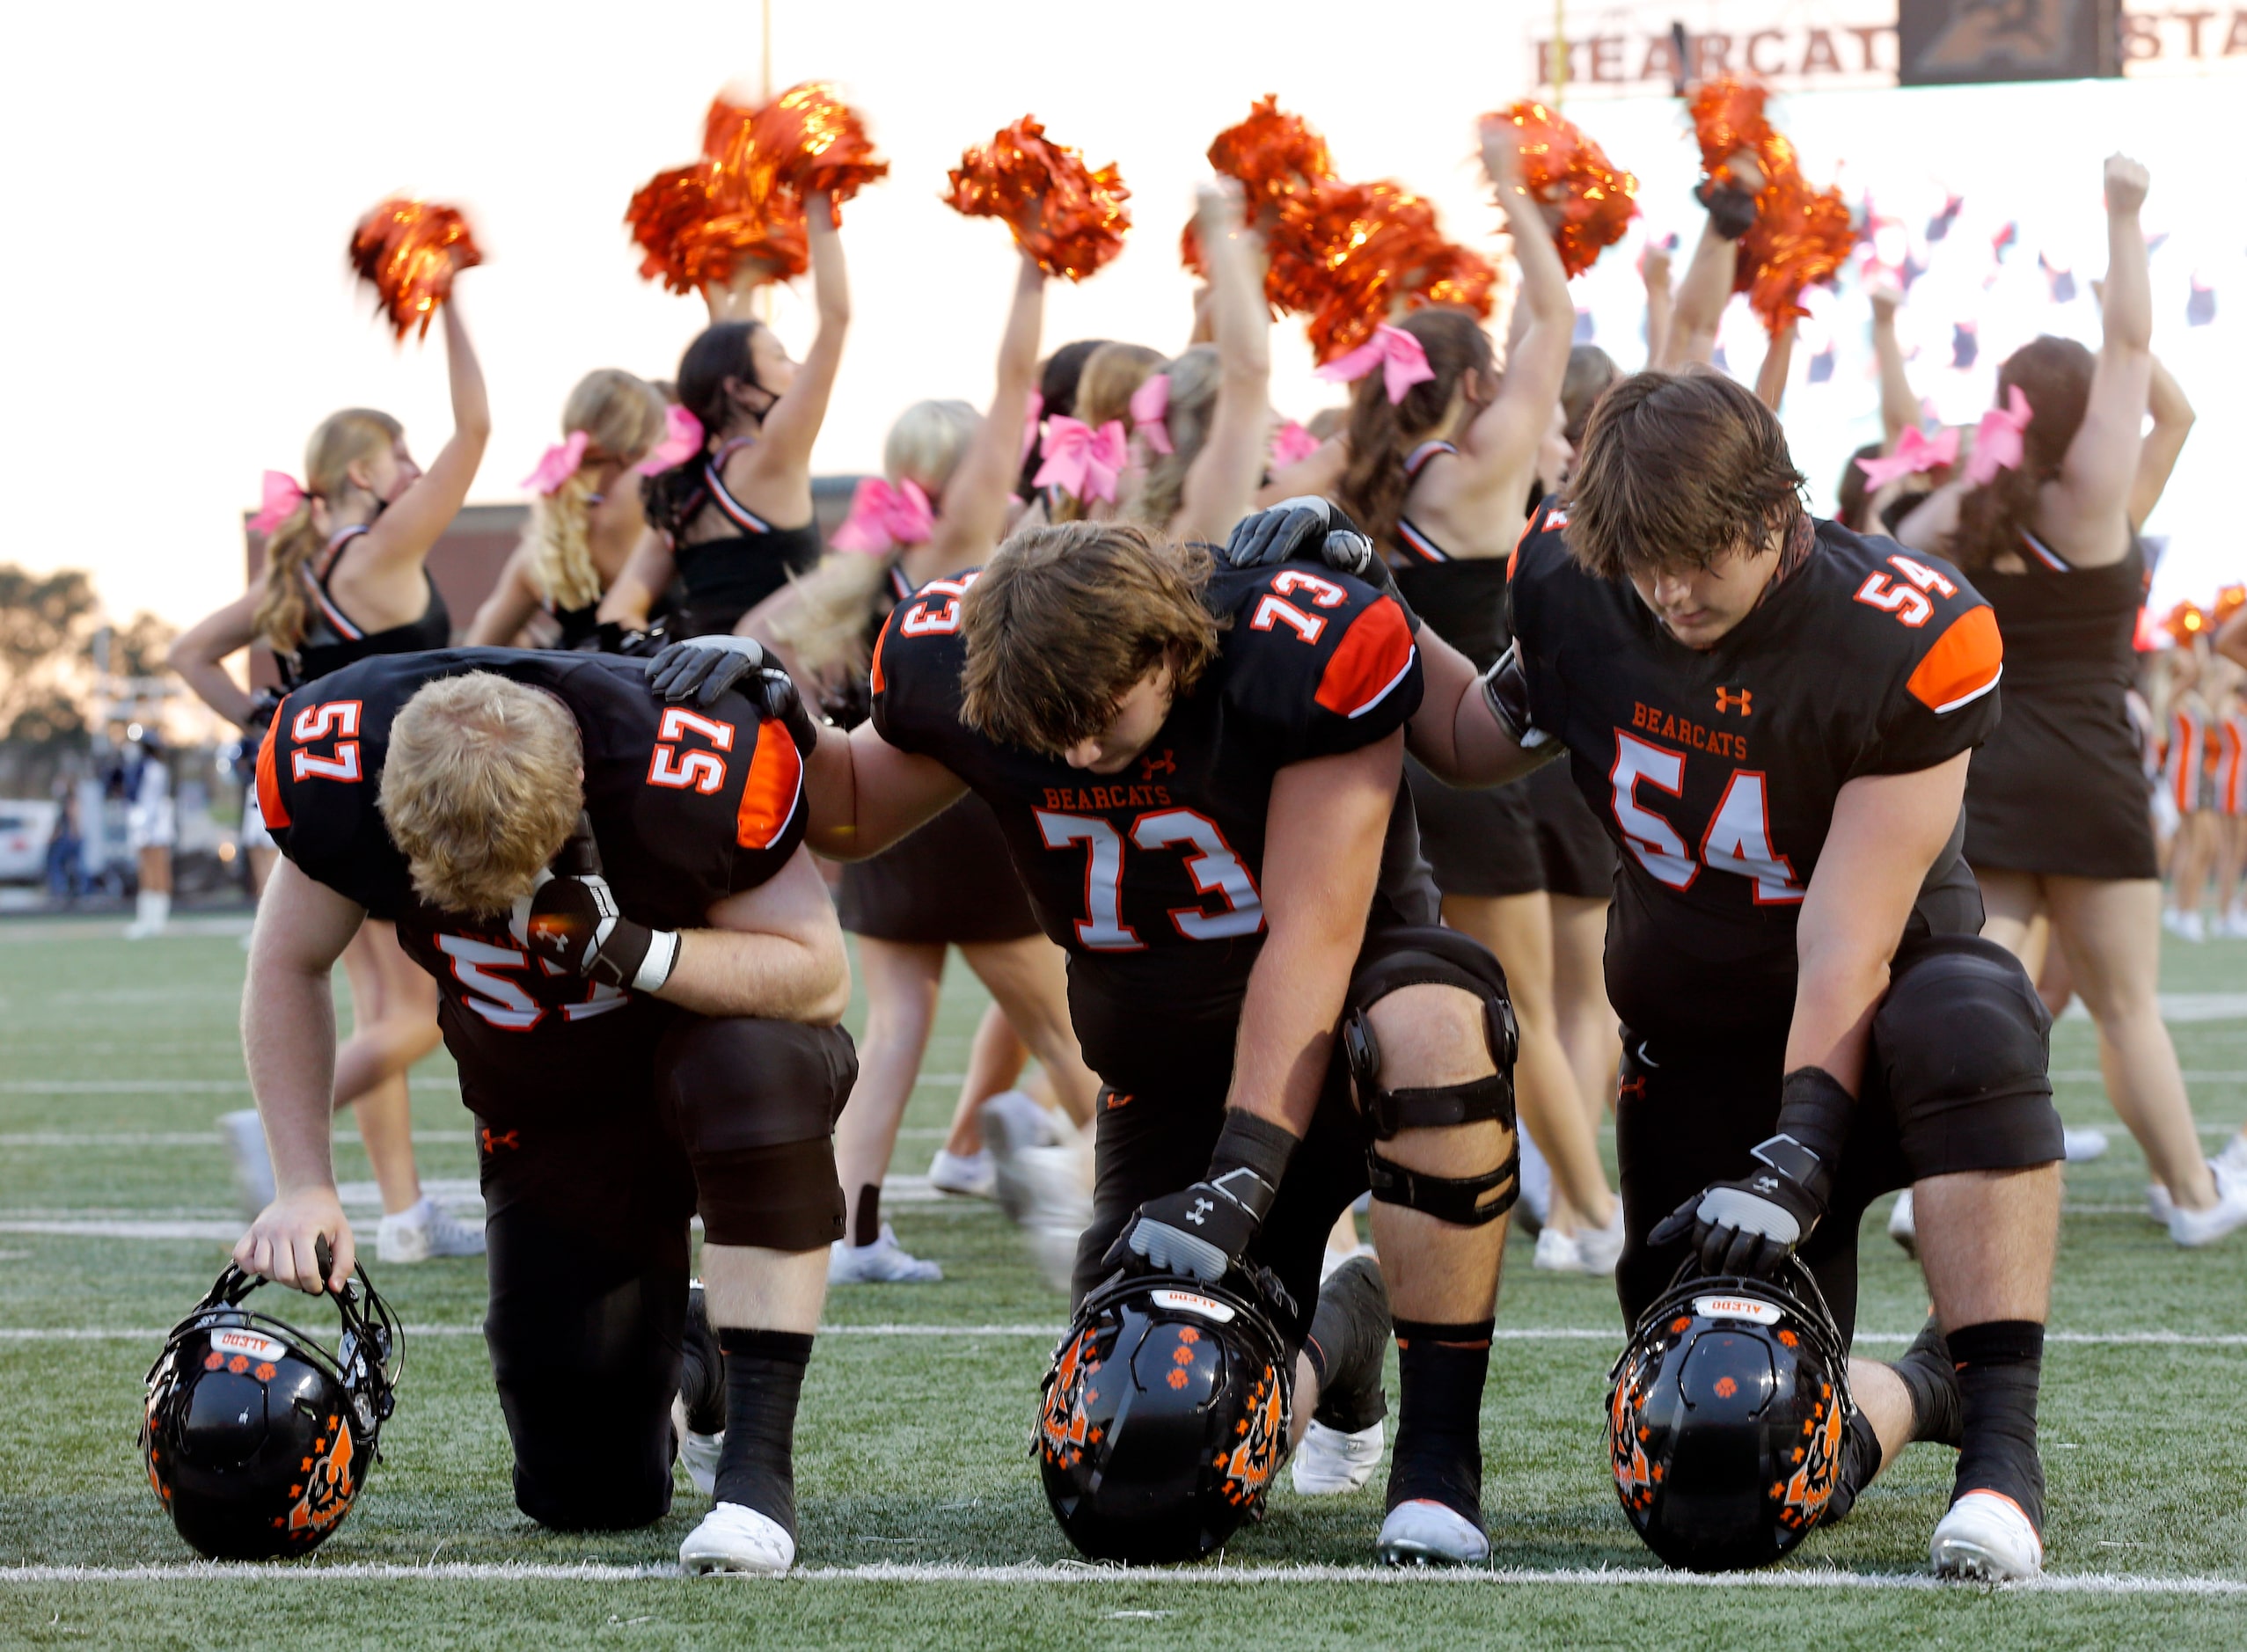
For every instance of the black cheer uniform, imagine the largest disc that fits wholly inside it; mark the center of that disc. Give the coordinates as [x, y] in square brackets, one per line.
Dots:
[332, 639]
[727, 576]
[1716, 773]
[1151, 878]
[2058, 788]
[1480, 842]
[606, 1118]
[948, 884]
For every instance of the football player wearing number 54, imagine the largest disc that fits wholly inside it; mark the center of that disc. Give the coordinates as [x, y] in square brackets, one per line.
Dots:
[640, 978]
[1772, 716]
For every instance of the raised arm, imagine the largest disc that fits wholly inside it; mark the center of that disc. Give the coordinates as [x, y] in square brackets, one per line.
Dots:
[1702, 297]
[2172, 416]
[510, 606]
[645, 577]
[2231, 639]
[402, 536]
[1771, 378]
[773, 951]
[288, 1045]
[1654, 271]
[2087, 520]
[1899, 408]
[784, 442]
[974, 517]
[196, 654]
[1220, 485]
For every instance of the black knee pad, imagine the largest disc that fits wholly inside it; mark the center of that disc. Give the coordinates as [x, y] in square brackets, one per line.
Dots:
[755, 1102]
[1964, 1048]
[1434, 957]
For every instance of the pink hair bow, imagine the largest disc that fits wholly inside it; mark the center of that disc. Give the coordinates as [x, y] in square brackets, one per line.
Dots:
[1031, 419]
[558, 464]
[1080, 461]
[883, 518]
[1998, 443]
[1403, 363]
[1150, 407]
[682, 441]
[1914, 453]
[280, 496]
[1292, 444]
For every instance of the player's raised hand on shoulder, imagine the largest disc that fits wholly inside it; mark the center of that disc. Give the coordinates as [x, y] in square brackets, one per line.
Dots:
[294, 1236]
[1305, 529]
[699, 669]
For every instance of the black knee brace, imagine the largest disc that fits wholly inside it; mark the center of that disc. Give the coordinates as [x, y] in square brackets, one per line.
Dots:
[1963, 1045]
[1437, 957]
[755, 1102]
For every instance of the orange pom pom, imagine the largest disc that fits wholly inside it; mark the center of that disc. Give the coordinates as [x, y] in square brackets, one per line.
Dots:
[1587, 201]
[1802, 238]
[2230, 601]
[1727, 118]
[692, 240]
[409, 252]
[810, 141]
[1351, 255]
[2185, 622]
[1069, 218]
[1275, 155]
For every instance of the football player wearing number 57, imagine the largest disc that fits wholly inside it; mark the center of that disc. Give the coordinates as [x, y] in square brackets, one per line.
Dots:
[640, 978]
[1772, 716]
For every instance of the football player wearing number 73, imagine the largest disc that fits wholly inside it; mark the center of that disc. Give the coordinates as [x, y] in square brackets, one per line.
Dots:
[1773, 717]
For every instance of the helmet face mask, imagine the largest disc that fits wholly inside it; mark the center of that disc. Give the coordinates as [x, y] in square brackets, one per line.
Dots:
[1164, 1417]
[257, 1440]
[1726, 1417]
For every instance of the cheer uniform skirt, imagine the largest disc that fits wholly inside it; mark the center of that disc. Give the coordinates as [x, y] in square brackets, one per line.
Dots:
[1578, 858]
[950, 883]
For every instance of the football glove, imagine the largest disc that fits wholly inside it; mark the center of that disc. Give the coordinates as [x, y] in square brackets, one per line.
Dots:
[1206, 1229]
[1507, 687]
[571, 920]
[701, 668]
[1307, 529]
[1752, 1225]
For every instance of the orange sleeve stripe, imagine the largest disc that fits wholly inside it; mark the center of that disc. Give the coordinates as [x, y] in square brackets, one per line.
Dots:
[768, 797]
[1964, 664]
[269, 803]
[1372, 655]
[874, 684]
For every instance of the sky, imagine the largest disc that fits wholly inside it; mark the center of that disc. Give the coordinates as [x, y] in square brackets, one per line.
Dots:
[184, 181]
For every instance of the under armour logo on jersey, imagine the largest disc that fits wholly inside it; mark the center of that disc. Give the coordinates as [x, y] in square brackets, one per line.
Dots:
[1200, 1213]
[1150, 767]
[1736, 700]
[495, 1140]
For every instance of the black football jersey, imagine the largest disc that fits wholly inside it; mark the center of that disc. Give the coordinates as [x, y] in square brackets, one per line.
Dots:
[1716, 771]
[1151, 878]
[687, 805]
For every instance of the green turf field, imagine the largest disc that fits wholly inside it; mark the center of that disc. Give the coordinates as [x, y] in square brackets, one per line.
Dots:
[922, 1522]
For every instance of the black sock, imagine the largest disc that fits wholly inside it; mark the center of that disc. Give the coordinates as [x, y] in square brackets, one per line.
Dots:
[763, 1380]
[1927, 1369]
[865, 1225]
[1439, 1452]
[1999, 1365]
[702, 1371]
[1348, 1337]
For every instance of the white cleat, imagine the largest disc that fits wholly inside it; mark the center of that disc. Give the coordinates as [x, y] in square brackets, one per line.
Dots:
[422, 1232]
[1902, 1226]
[1423, 1532]
[883, 1262]
[2080, 1147]
[1557, 1253]
[2195, 1228]
[1986, 1538]
[1014, 1125]
[698, 1453]
[969, 1176]
[733, 1538]
[246, 1147]
[2190, 928]
[1602, 1247]
[2159, 1205]
[2234, 1157]
[1329, 1462]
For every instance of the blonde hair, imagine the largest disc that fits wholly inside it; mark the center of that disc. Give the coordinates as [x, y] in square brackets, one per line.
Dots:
[1193, 407]
[1112, 375]
[482, 787]
[342, 441]
[928, 442]
[622, 417]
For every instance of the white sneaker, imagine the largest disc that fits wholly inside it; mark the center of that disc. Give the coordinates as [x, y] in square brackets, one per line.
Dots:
[2234, 1157]
[2189, 927]
[1557, 1253]
[883, 1262]
[698, 1453]
[2195, 1228]
[1423, 1532]
[422, 1232]
[970, 1175]
[244, 1135]
[1012, 1125]
[1536, 1181]
[1602, 1247]
[2169, 917]
[2159, 1205]
[733, 1537]
[1329, 1462]
[1986, 1538]
[1902, 1225]
[2080, 1147]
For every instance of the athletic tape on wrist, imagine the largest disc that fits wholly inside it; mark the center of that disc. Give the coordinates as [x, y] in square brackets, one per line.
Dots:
[662, 956]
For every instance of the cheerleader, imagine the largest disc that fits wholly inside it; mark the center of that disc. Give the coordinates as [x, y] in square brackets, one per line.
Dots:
[1438, 473]
[346, 576]
[2184, 782]
[151, 829]
[585, 518]
[1112, 375]
[2055, 807]
[941, 510]
[711, 520]
[2231, 804]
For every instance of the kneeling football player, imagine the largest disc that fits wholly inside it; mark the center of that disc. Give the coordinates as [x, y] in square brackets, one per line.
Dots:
[1198, 773]
[1773, 717]
[642, 978]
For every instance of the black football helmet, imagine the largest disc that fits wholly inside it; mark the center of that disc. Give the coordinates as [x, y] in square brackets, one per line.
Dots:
[1726, 1418]
[256, 1438]
[1165, 1416]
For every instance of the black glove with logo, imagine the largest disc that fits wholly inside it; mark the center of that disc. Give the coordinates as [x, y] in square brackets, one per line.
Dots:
[1206, 1229]
[1309, 528]
[699, 670]
[571, 921]
[1749, 1225]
